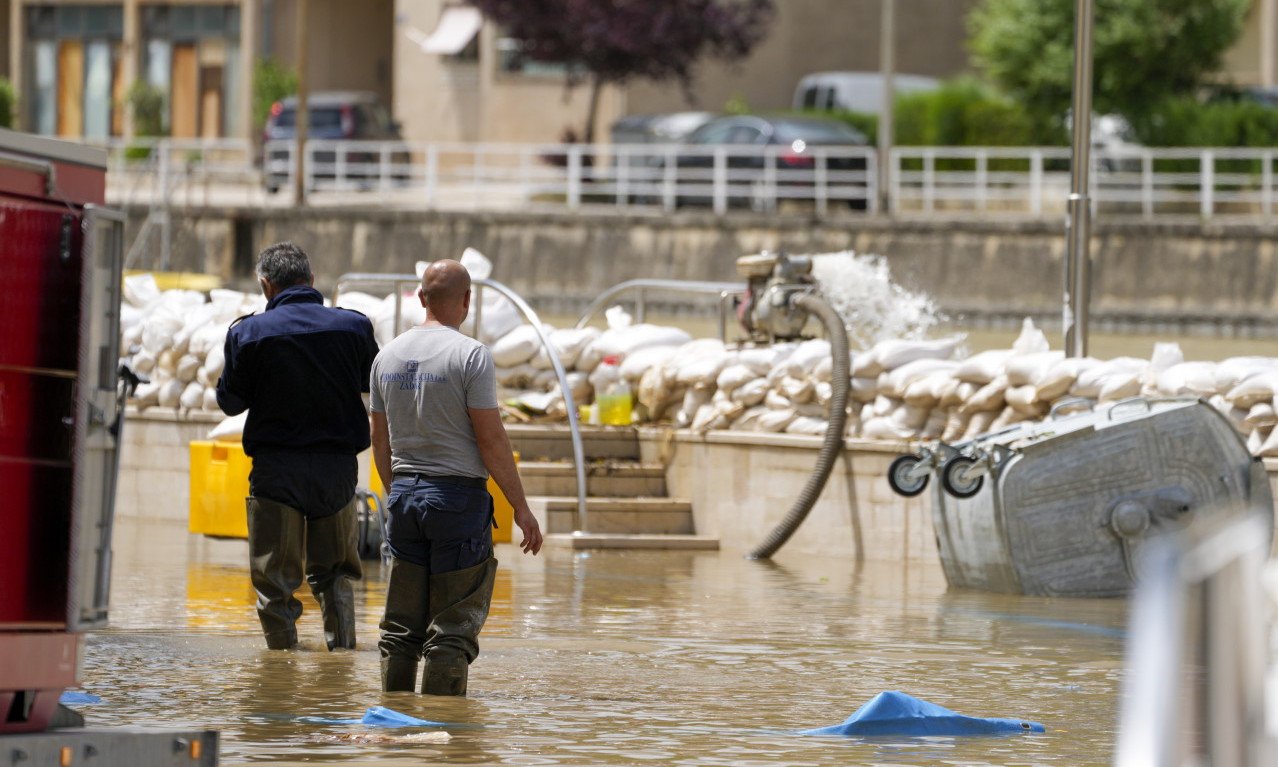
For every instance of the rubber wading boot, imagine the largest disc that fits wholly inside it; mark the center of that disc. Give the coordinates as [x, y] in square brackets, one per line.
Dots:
[332, 562]
[459, 603]
[404, 625]
[276, 535]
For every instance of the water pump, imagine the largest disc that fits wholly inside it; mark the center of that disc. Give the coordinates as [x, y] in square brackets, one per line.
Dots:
[774, 280]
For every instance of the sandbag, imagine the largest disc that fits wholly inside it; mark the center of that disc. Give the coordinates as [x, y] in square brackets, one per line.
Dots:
[934, 427]
[1261, 415]
[141, 289]
[700, 366]
[568, 344]
[1233, 371]
[1031, 340]
[1196, 378]
[763, 359]
[983, 367]
[1117, 386]
[749, 418]
[895, 382]
[186, 368]
[1055, 382]
[885, 428]
[1023, 369]
[693, 399]
[775, 420]
[1165, 356]
[516, 347]
[806, 357]
[637, 363]
[517, 377]
[816, 427]
[1263, 444]
[733, 376]
[1024, 399]
[1258, 387]
[798, 391]
[210, 399]
[892, 353]
[170, 394]
[192, 397]
[955, 425]
[864, 389]
[988, 397]
[622, 341]
[751, 392]
[979, 423]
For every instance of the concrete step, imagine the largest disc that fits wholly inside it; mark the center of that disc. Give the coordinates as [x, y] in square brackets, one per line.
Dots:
[626, 516]
[603, 478]
[554, 443]
[607, 541]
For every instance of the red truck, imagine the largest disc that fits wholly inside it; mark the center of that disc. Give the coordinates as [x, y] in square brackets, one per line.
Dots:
[61, 416]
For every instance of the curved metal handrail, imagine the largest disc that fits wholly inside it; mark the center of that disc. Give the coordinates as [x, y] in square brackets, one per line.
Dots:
[723, 289]
[399, 280]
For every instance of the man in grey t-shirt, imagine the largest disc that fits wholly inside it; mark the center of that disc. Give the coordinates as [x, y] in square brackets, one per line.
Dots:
[437, 435]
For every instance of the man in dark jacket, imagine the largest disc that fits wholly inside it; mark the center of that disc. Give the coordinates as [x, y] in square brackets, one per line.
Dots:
[300, 368]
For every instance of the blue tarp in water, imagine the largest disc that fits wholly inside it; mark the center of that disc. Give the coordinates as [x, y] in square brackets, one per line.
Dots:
[75, 696]
[895, 713]
[377, 716]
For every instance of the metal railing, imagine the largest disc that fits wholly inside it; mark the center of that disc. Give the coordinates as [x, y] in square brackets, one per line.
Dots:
[1026, 181]
[399, 281]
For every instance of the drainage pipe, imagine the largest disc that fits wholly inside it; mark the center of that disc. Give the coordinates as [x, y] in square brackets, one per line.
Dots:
[833, 444]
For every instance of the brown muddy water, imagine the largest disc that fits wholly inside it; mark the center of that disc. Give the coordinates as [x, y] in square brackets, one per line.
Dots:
[686, 658]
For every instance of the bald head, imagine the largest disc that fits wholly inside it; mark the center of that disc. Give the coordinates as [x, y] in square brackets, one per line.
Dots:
[446, 291]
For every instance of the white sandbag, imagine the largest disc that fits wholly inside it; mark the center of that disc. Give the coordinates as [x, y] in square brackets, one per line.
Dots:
[568, 344]
[499, 317]
[1258, 387]
[207, 337]
[895, 382]
[516, 347]
[622, 341]
[798, 391]
[544, 380]
[983, 367]
[215, 361]
[141, 289]
[517, 377]
[885, 405]
[1118, 386]
[751, 393]
[1233, 371]
[774, 420]
[143, 361]
[1196, 378]
[991, 396]
[816, 427]
[226, 304]
[979, 423]
[411, 314]
[210, 399]
[864, 389]
[777, 401]
[749, 418]
[187, 366]
[934, 427]
[363, 303]
[1055, 382]
[824, 370]
[1007, 417]
[131, 337]
[762, 359]
[230, 429]
[171, 393]
[733, 376]
[158, 330]
[1022, 369]
[192, 396]
[955, 425]
[1165, 356]
[1091, 379]
[658, 392]
[928, 391]
[1031, 339]
[167, 362]
[146, 394]
[637, 363]
[911, 417]
[892, 353]
[956, 395]
[806, 356]
[1024, 399]
[130, 316]
[812, 410]
[1261, 415]
[885, 428]
[824, 392]
[1258, 440]
[701, 368]
[693, 399]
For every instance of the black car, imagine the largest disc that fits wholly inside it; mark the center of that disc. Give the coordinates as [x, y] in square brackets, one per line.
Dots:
[334, 116]
[799, 141]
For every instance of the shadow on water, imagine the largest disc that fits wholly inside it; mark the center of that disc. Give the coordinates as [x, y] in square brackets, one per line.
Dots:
[616, 658]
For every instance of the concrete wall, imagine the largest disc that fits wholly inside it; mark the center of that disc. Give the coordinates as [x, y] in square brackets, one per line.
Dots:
[1182, 273]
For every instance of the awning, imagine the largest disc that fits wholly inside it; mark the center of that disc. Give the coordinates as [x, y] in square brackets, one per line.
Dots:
[456, 28]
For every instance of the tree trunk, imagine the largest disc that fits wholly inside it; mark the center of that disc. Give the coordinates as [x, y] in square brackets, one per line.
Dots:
[596, 86]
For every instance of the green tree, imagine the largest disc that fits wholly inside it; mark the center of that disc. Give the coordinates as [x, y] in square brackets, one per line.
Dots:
[8, 103]
[147, 102]
[272, 82]
[1144, 51]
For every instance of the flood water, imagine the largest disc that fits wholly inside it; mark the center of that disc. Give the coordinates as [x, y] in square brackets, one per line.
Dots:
[691, 658]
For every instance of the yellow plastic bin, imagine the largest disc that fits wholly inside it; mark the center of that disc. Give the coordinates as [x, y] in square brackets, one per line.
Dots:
[219, 485]
[503, 512]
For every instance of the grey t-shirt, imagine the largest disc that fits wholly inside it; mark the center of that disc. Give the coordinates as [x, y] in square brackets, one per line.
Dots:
[424, 381]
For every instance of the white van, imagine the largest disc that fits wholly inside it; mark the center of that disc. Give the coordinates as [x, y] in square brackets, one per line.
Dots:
[854, 91]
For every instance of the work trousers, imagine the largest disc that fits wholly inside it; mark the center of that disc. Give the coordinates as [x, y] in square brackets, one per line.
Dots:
[284, 548]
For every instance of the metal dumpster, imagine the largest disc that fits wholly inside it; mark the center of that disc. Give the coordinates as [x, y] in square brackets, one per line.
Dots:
[1062, 507]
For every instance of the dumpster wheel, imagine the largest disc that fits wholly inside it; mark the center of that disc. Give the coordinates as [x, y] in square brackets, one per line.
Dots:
[955, 480]
[899, 476]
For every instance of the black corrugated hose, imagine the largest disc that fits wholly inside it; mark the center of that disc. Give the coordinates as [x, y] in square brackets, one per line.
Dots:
[833, 444]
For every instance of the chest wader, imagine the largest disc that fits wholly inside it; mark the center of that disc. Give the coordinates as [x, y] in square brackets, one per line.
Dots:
[284, 548]
[438, 616]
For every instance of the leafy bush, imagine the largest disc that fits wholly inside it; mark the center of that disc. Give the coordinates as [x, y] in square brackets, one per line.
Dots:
[148, 104]
[8, 103]
[272, 82]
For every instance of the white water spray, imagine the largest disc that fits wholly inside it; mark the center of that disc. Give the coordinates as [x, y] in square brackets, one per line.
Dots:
[873, 308]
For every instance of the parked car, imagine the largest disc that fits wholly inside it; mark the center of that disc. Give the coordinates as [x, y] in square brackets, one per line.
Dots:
[854, 91]
[796, 161]
[334, 116]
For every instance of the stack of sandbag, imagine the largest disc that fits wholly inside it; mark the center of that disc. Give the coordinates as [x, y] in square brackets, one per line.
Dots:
[175, 338]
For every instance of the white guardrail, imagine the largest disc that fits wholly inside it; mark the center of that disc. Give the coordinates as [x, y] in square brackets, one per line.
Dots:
[1148, 183]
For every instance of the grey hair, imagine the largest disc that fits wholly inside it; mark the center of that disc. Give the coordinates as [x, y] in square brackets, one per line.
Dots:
[284, 265]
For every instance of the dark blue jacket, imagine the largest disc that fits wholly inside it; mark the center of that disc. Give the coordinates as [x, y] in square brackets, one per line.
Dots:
[299, 368]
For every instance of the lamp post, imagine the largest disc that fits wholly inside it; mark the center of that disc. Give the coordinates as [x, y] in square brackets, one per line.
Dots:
[303, 116]
[887, 69]
[1078, 262]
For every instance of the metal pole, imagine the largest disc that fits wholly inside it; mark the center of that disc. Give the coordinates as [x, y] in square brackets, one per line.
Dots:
[887, 70]
[1078, 231]
[302, 119]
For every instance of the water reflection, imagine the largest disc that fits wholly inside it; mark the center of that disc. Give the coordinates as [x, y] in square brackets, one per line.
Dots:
[617, 658]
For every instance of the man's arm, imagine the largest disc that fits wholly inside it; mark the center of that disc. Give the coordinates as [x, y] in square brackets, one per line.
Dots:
[231, 396]
[382, 449]
[499, 459]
